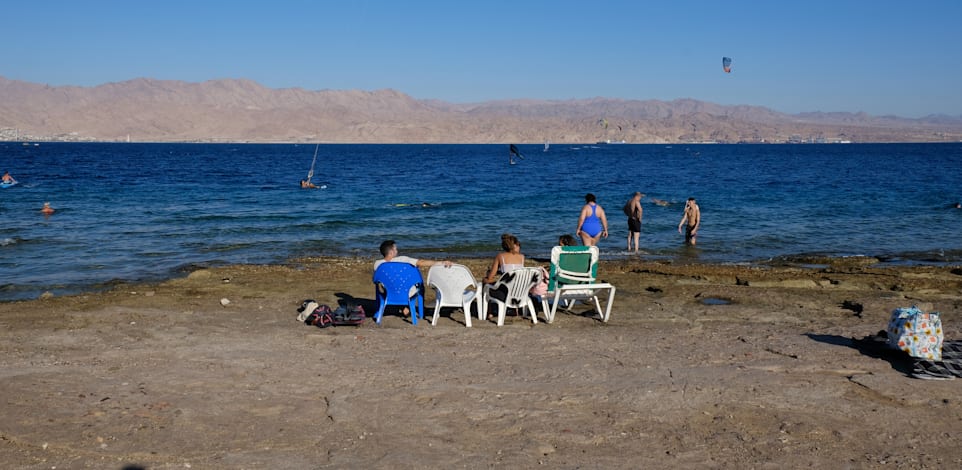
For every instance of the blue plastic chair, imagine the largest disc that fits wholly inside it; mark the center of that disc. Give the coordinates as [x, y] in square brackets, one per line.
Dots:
[399, 284]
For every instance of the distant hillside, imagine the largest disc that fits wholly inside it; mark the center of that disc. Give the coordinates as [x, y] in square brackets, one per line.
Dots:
[244, 111]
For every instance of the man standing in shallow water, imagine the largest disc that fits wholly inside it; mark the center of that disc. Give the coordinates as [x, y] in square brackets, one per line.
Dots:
[633, 210]
[692, 217]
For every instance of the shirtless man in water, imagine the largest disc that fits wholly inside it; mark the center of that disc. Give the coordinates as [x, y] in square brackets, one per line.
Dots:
[634, 211]
[692, 217]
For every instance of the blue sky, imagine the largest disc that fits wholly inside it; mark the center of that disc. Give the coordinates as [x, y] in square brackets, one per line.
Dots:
[881, 57]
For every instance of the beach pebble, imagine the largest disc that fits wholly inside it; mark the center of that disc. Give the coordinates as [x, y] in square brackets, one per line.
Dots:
[46, 295]
[225, 301]
[545, 449]
[199, 274]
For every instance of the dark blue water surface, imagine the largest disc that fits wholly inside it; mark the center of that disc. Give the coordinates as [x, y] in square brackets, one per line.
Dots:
[148, 211]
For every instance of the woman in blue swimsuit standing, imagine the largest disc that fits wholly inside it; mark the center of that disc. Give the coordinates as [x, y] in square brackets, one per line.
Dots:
[592, 225]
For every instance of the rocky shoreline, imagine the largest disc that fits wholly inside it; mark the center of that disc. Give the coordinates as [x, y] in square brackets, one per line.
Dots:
[700, 366]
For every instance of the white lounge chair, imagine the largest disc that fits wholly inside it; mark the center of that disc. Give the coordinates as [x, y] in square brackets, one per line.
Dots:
[574, 270]
[511, 290]
[454, 286]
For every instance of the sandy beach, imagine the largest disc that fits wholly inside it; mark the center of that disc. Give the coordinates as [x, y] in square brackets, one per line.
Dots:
[700, 366]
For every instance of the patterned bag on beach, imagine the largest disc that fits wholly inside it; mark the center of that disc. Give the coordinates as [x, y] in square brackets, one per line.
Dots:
[313, 314]
[321, 316]
[917, 333]
[349, 315]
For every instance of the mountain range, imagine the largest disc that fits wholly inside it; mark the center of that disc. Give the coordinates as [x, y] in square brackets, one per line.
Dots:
[238, 110]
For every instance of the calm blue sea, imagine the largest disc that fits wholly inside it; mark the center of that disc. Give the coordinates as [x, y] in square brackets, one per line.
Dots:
[136, 212]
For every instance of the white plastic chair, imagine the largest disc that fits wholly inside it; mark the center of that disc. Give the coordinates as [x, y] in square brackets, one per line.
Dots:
[453, 287]
[574, 270]
[511, 290]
